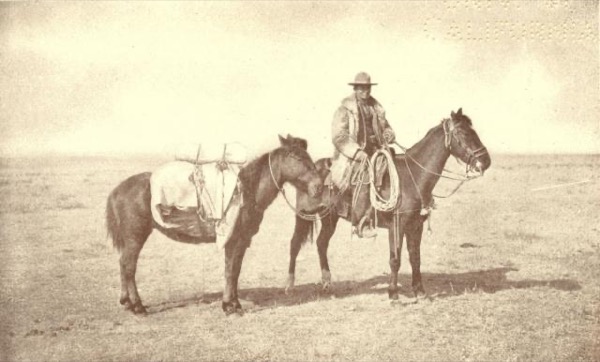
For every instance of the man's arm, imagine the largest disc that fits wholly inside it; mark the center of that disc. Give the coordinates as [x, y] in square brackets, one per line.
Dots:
[388, 134]
[340, 134]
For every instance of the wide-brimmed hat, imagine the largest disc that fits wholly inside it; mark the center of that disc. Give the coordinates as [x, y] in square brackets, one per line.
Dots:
[362, 78]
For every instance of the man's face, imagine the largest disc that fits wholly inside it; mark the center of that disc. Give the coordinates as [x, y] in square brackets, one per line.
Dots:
[362, 91]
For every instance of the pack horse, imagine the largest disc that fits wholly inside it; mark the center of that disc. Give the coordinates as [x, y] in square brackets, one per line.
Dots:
[173, 200]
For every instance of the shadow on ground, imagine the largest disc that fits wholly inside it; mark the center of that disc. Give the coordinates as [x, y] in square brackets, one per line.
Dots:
[436, 285]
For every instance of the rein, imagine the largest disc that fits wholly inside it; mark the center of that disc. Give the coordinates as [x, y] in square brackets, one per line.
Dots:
[377, 201]
[448, 127]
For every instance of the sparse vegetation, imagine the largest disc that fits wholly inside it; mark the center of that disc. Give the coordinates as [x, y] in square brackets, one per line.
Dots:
[68, 202]
[511, 274]
[521, 235]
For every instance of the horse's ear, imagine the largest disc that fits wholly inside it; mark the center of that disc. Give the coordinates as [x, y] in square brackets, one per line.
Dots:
[452, 114]
[282, 140]
[304, 144]
[459, 113]
[289, 137]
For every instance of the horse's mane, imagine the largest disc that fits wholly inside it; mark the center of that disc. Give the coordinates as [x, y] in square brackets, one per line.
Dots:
[253, 167]
[250, 174]
[459, 118]
[425, 139]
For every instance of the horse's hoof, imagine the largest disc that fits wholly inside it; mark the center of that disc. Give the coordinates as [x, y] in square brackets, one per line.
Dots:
[126, 303]
[290, 283]
[139, 309]
[393, 294]
[325, 280]
[420, 294]
[232, 308]
[234, 311]
[419, 291]
[227, 307]
[124, 300]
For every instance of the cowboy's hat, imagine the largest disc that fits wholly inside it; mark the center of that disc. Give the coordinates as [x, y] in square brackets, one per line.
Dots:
[362, 78]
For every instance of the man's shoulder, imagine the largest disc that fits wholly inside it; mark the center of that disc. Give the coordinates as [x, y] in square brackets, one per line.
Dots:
[349, 103]
[349, 100]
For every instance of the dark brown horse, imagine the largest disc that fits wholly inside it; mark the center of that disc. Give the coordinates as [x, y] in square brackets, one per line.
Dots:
[129, 219]
[419, 169]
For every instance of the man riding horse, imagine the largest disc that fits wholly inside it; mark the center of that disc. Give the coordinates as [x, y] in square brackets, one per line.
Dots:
[359, 128]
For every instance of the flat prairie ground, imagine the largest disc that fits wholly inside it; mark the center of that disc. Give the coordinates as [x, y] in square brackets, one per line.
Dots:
[512, 269]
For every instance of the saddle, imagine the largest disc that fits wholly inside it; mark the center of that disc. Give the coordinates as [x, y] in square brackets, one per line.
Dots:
[330, 172]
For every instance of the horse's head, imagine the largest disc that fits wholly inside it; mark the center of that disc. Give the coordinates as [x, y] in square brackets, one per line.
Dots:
[294, 165]
[463, 142]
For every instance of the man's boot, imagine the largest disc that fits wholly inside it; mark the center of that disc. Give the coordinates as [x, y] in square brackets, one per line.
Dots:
[365, 228]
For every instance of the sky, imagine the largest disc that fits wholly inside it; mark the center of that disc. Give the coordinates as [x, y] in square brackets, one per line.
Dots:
[120, 78]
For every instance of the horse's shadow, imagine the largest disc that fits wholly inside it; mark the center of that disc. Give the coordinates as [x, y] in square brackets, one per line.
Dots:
[437, 285]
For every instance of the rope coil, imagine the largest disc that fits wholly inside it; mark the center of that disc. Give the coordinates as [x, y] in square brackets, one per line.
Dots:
[377, 201]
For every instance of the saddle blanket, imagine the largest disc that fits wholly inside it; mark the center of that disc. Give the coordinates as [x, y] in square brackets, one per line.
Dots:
[208, 188]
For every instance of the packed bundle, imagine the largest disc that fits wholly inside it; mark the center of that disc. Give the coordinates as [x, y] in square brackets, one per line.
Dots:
[207, 152]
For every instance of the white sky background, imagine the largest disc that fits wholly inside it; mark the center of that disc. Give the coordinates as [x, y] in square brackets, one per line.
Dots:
[140, 77]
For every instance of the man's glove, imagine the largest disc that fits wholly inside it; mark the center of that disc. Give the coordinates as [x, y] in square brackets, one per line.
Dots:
[389, 136]
[360, 155]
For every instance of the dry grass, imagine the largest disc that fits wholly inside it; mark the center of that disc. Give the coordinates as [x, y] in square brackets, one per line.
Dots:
[512, 274]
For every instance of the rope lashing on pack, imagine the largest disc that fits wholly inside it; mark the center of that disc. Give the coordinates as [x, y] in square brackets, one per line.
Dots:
[199, 181]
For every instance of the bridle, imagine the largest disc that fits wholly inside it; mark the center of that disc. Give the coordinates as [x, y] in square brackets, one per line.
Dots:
[299, 213]
[449, 134]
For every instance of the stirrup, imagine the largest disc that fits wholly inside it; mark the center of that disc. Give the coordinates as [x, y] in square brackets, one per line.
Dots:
[371, 233]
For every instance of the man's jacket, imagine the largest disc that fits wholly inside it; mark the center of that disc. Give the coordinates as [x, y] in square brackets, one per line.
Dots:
[344, 132]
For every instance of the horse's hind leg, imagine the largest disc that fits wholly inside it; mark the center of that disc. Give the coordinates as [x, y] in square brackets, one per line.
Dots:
[413, 242]
[328, 228]
[130, 297]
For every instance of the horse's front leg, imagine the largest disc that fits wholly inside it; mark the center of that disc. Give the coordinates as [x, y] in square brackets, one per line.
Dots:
[247, 226]
[413, 242]
[329, 224]
[396, 237]
[234, 255]
[301, 231]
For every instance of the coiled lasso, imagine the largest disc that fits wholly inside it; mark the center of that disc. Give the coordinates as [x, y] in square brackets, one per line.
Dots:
[378, 202]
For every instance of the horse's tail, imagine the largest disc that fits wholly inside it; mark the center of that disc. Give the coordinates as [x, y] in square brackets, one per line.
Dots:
[113, 223]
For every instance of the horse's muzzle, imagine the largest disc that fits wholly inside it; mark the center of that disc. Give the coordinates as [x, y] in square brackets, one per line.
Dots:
[482, 163]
